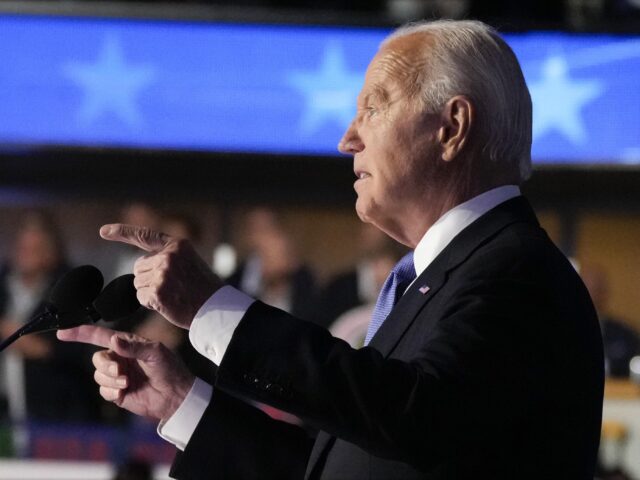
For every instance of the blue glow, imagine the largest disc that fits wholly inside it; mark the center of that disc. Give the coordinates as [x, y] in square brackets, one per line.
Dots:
[275, 89]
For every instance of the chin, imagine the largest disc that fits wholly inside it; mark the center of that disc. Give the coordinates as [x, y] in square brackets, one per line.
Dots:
[363, 212]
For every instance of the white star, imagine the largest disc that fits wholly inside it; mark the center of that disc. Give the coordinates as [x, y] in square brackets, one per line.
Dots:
[330, 92]
[110, 85]
[558, 101]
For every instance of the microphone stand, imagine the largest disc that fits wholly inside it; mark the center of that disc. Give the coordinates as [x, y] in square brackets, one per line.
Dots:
[25, 329]
[52, 320]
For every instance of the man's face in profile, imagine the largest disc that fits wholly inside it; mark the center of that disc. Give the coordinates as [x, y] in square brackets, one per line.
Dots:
[391, 138]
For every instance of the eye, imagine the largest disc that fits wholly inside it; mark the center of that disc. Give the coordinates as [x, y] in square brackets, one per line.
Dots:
[371, 111]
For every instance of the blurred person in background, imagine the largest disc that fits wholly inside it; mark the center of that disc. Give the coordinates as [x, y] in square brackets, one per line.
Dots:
[182, 225]
[44, 380]
[621, 342]
[359, 285]
[272, 270]
[351, 325]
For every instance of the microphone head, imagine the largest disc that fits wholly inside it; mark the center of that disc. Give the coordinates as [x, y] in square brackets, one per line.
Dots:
[77, 289]
[118, 300]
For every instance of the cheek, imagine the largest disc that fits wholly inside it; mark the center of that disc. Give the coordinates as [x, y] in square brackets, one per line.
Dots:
[393, 152]
[394, 173]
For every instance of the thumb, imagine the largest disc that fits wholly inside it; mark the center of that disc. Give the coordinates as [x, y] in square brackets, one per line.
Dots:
[140, 237]
[128, 345]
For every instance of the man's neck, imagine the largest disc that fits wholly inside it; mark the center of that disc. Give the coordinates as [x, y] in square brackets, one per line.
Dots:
[446, 199]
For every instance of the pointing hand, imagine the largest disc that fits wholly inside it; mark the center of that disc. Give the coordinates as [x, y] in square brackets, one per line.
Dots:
[137, 374]
[171, 279]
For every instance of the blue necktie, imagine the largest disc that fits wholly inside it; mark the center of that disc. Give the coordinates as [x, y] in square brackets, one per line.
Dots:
[397, 282]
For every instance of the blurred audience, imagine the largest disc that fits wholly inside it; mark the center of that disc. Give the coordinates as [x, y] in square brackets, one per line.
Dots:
[351, 325]
[182, 225]
[361, 284]
[621, 342]
[45, 379]
[272, 270]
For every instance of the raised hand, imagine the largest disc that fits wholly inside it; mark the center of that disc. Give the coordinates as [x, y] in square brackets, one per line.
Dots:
[171, 279]
[137, 374]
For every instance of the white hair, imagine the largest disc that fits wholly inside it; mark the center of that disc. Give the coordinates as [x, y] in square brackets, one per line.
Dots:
[470, 58]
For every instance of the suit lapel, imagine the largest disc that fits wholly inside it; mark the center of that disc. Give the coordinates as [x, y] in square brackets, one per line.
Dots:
[407, 309]
[435, 276]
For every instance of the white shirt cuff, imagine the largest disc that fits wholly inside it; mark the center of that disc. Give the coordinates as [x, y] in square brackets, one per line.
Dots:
[215, 322]
[178, 428]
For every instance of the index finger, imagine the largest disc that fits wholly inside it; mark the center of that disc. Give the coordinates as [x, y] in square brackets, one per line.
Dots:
[92, 334]
[141, 237]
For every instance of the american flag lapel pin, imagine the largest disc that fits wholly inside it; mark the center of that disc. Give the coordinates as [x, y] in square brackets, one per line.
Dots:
[424, 289]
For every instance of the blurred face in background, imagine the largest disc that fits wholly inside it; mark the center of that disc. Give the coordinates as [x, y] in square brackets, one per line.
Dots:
[278, 258]
[141, 214]
[35, 251]
[261, 228]
[266, 237]
[596, 280]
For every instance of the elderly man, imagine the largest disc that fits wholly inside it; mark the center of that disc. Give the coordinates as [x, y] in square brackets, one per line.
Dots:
[489, 364]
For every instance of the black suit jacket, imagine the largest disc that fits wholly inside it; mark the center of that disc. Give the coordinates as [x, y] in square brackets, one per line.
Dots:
[495, 372]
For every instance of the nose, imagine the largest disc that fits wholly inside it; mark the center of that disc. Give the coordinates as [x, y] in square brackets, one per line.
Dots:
[351, 143]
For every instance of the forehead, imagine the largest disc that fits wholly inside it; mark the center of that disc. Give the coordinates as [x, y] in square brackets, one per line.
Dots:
[399, 61]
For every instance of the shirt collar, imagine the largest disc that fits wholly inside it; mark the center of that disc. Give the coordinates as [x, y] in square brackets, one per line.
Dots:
[455, 220]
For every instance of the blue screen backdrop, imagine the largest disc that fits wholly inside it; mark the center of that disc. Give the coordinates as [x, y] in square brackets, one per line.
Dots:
[275, 89]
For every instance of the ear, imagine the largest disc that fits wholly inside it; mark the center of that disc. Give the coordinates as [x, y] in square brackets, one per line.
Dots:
[456, 119]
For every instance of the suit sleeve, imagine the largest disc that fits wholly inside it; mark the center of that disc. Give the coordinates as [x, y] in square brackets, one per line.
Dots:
[474, 371]
[235, 440]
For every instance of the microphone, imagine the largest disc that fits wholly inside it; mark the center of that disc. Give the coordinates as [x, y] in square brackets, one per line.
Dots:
[76, 299]
[75, 290]
[118, 300]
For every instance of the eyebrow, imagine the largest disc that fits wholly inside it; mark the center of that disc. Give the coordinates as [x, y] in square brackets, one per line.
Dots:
[379, 93]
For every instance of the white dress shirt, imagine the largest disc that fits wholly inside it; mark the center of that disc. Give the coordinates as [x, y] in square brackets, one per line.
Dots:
[215, 322]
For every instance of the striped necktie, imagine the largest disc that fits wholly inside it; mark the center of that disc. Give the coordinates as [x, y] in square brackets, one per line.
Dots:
[397, 282]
